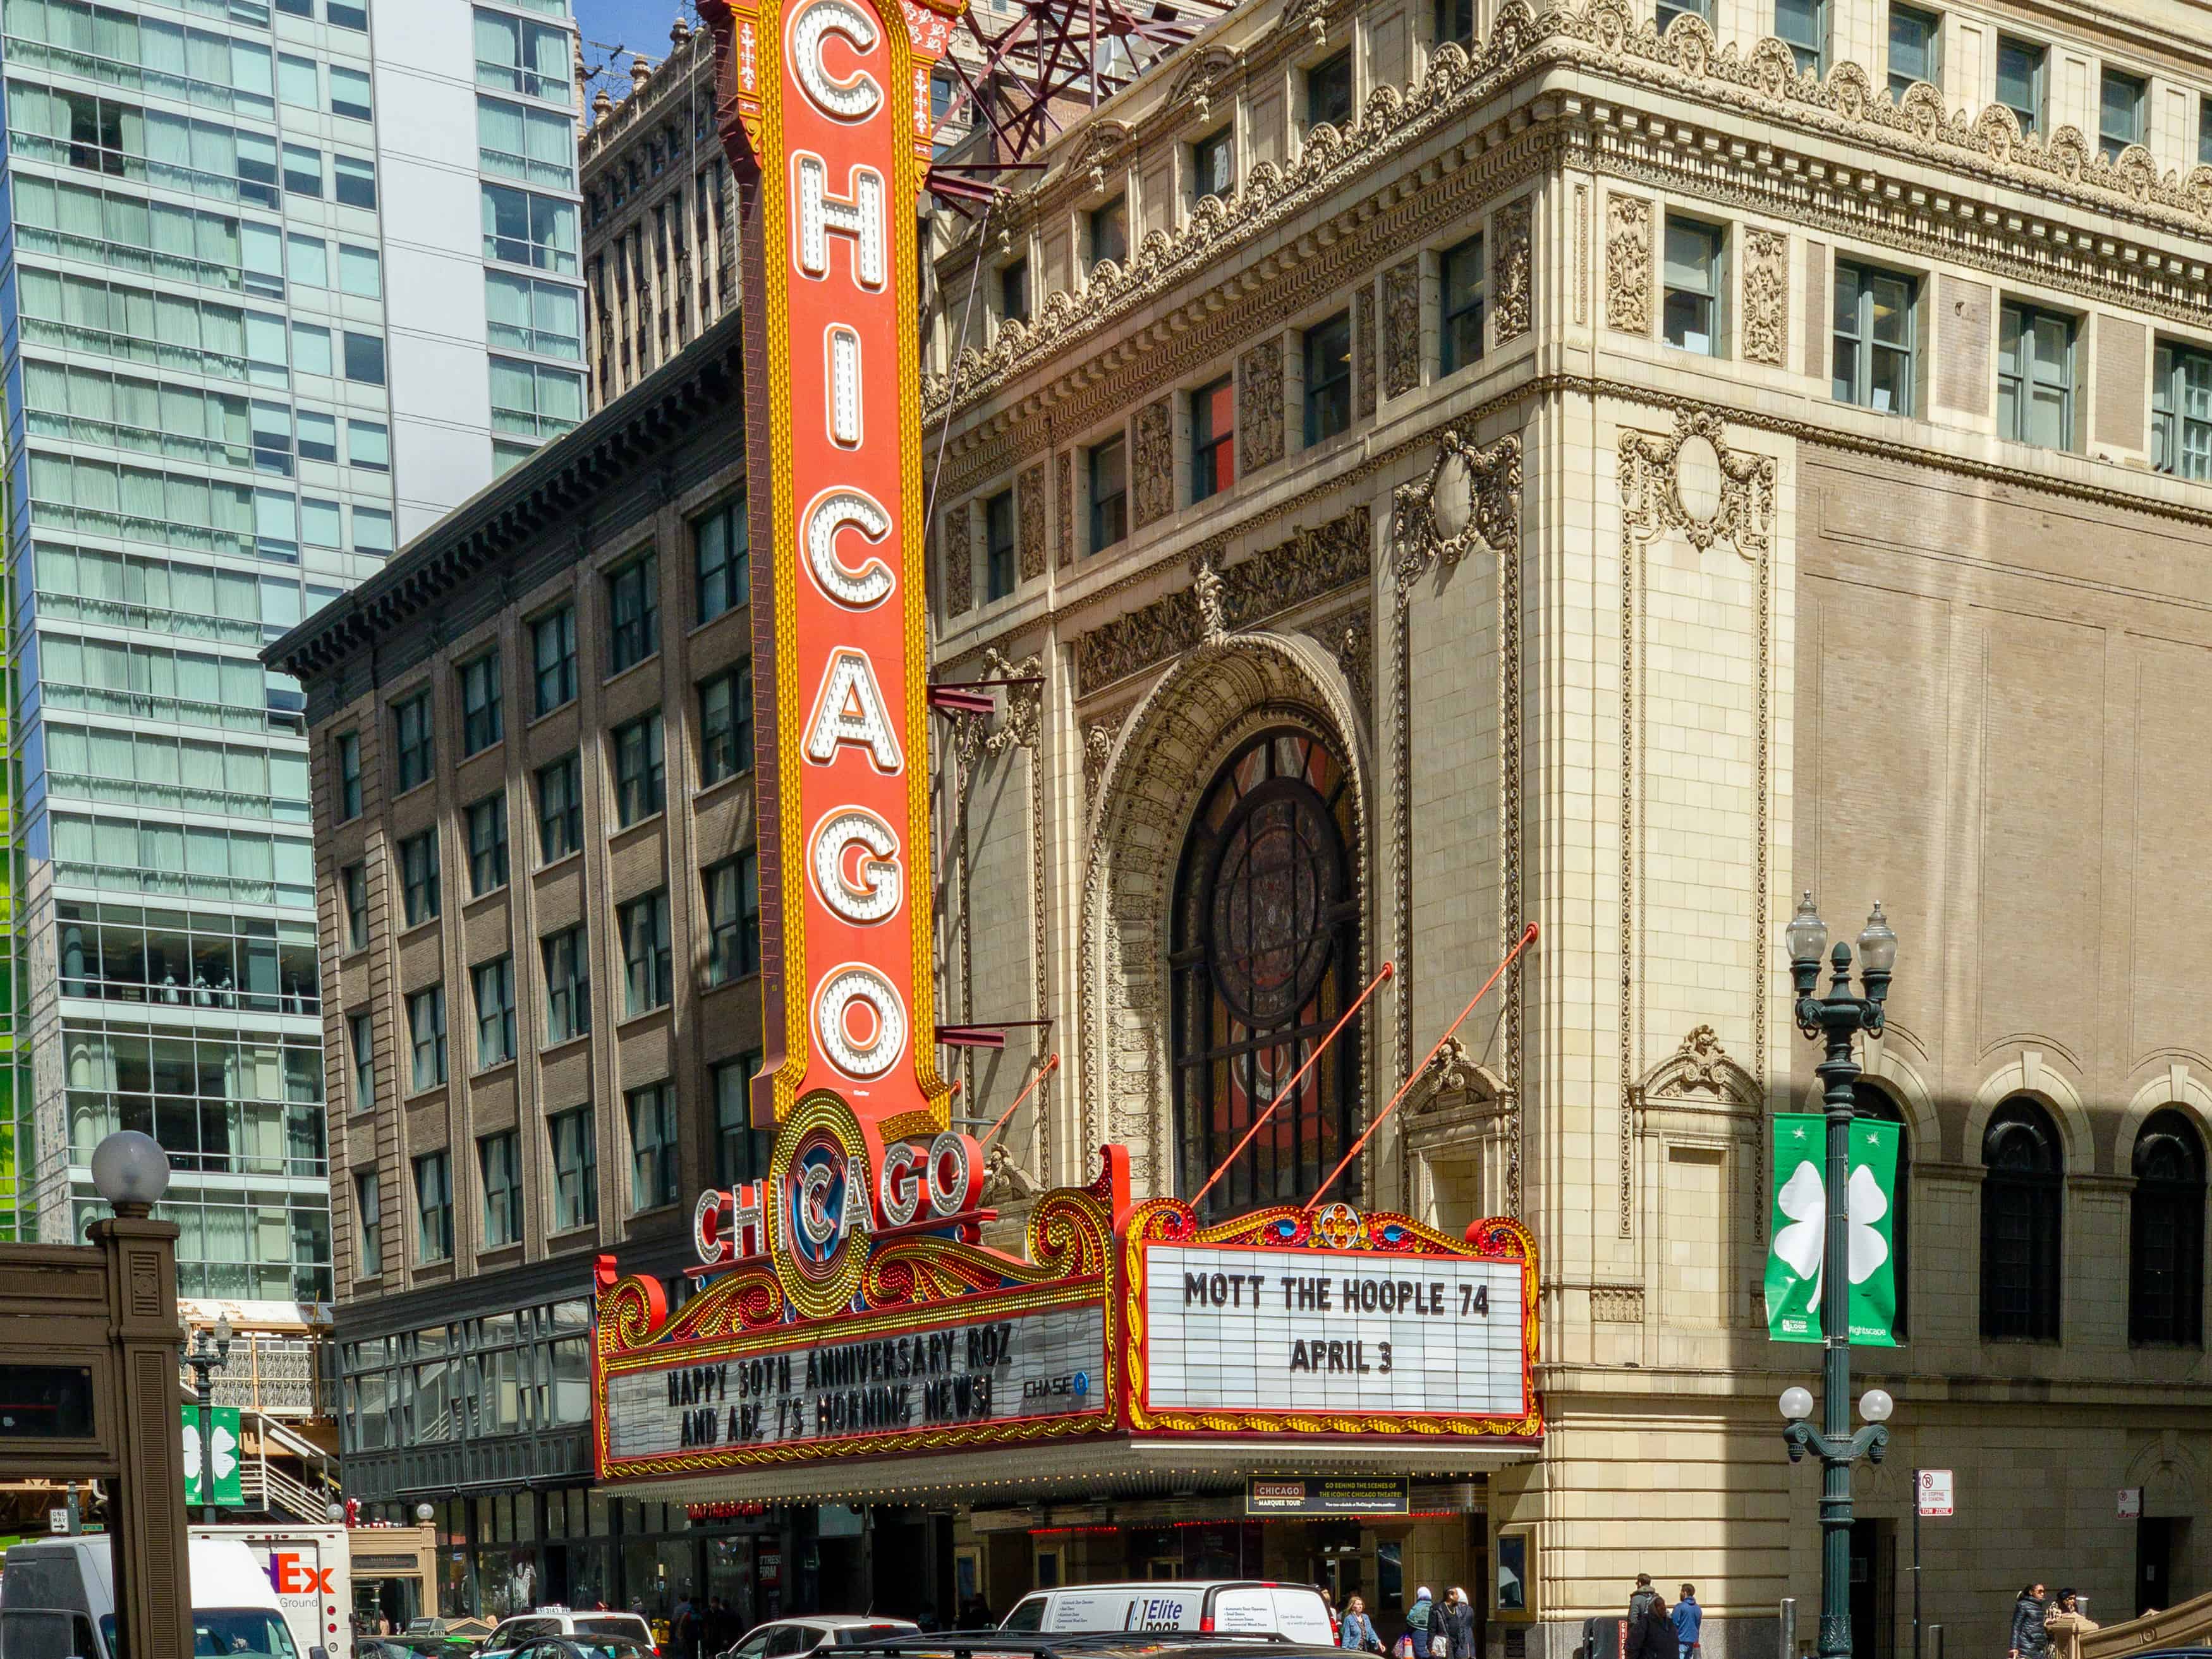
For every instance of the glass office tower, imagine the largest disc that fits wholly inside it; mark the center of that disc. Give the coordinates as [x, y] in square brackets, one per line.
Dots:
[282, 281]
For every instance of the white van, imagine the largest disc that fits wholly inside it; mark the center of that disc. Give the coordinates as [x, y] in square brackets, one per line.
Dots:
[57, 1602]
[1225, 1607]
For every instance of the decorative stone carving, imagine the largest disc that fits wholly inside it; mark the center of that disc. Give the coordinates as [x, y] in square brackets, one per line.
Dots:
[1201, 79]
[1206, 593]
[1616, 1304]
[1103, 141]
[959, 567]
[1700, 1069]
[1097, 749]
[1005, 1182]
[1260, 406]
[1512, 264]
[1692, 481]
[1351, 640]
[1153, 483]
[1030, 539]
[1766, 297]
[1401, 328]
[1362, 350]
[1312, 563]
[1628, 264]
[1066, 500]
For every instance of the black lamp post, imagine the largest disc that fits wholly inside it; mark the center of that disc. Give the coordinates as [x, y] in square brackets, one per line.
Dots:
[205, 1358]
[1835, 1020]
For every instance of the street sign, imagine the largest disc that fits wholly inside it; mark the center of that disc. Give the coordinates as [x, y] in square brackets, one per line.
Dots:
[1935, 1491]
[2131, 1507]
[56, 1520]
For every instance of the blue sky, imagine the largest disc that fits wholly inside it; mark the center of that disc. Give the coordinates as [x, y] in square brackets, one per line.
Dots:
[640, 25]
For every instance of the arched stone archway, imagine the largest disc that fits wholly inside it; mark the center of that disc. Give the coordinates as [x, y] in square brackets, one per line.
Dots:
[1201, 708]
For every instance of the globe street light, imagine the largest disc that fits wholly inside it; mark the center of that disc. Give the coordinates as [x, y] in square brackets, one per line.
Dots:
[1835, 1021]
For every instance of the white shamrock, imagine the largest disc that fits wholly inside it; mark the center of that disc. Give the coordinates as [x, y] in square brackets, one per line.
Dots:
[226, 1452]
[1802, 1245]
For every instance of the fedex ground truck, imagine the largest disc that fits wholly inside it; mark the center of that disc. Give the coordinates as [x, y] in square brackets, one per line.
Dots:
[310, 1569]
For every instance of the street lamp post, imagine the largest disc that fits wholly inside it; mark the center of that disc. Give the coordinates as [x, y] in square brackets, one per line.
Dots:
[1835, 1021]
[205, 1359]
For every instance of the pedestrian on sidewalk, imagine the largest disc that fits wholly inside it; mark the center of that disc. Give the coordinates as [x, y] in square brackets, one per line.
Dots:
[1356, 1633]
[2030, 1640]
[1643, 1597]
[1414, 1644]
[1652, 1636]
[1459, 1625]
[1688, 1617]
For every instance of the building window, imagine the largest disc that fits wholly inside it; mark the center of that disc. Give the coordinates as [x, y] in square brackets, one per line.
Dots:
[652, 1146]
[498, 1159]
[349, 776]
[2035, 378]
[732, 919]
[575, 1169]
[368, 1221]
[2204, 130]
[1916, 39]
[1109, 493]
[514, 55]
[567, 985]
[740, 1151]
[360, 1040]
[495, 988]
[634, 608]
[1110, 231]
[426, 1029]
[1014, 291]
[1213, 428]
[434, 1208]
[726, 726]
[1328, 91]
[553, 645]
[2120, 100]
[720, 559]
[488, 845]
[1669, 11]
[1328, 378]
[2166, 1234]
[1455, 20]
[354, 878]
[2021, 1195]
[646, 977]
[998, 545]
[1868, 1100]
[1692, 315]
[640, 770]
[1803, 26]
[1460, 340]
[1213, 165]
[1876, 321]
[418, 877]
[482, 725]
[1264, 951]
[2181, 411]
[2021, 81]
[560, 809]
[416, 746]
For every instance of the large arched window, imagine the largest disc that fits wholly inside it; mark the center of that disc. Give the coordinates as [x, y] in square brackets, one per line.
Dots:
[2022, 1194]
[2166, 1234]
[1264, 952]
[1870, 1100]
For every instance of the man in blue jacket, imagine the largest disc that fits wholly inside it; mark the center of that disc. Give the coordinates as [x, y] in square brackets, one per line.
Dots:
[1688, 1617]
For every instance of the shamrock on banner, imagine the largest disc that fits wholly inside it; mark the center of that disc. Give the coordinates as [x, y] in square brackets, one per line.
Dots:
[1796, 1260]
[224, 1439]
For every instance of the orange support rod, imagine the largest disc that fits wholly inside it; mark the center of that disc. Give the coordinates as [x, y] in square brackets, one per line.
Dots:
[1527, 938]
[1048, 1068]
[1291, 1091]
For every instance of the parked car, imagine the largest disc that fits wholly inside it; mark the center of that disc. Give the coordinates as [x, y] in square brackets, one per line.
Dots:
[513, 1631]
[789, 1639]
[1218, 1607]
[585, 1646]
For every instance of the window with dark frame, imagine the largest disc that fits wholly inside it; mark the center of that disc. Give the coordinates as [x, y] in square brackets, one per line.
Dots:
[741, 1151]
[653, 1145]
[361, 1039]
[721, 559]
[1327, 347]
[2181, 411]
[1802, 26]
[2021, 81]
[575, 1168]
[1328, 91]
[354, 878]
[493, 983]
[434, 1208]
[1014, 291]
[369, 1222]
[1669, 11]
[2035, 377]
[998, 545]
[1213, 433]
[1876, 338]
[726, 726]
[415, 745]
[1455, 20]
[553, 652]
[1459, 343]
[499, 1161]
[2121, 99]
[2204, 130]
[2023, 1195]
[1213, 165]
[483, 719]
[419, 888]
[426, 1032]
[2166, 1234]
[640, 770]
[1690, 310]
[348, 750]
[560, 809]
[1109, 466]
[647, 983]
[1916, 45]
[567, 985]
[732, 919]
[488, 845]
[633, 613]
[1110, 231]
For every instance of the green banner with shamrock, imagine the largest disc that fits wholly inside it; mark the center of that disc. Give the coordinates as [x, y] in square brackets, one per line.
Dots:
[222, 1453]
[1799, 1230]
